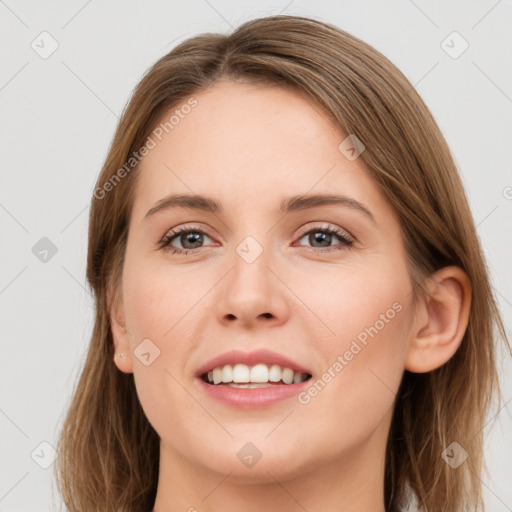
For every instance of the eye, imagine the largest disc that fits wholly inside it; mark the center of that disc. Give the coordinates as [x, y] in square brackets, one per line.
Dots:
[324, 235]
[190, 238]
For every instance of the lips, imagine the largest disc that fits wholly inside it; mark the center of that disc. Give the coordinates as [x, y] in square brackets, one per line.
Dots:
[252, 395]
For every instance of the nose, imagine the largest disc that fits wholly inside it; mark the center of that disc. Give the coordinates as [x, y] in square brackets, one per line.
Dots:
[252, 294]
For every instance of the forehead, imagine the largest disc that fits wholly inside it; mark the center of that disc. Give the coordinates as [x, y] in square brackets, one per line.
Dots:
[251, 142]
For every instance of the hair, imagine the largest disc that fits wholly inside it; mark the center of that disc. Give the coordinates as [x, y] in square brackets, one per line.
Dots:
[108, 451]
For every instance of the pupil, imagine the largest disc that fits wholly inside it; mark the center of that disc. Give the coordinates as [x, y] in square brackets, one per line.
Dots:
[320, 237]
[191, 236]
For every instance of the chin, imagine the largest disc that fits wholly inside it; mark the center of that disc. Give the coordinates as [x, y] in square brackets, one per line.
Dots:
[251, 462]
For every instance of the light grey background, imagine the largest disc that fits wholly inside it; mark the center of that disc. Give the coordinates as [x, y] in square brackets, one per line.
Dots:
[58, 115]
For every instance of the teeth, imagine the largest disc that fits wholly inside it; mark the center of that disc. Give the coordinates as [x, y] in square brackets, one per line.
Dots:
[259, 373]
[287, 375]
[275, 373]
[240, 375]
[227, 374]
[217, 375]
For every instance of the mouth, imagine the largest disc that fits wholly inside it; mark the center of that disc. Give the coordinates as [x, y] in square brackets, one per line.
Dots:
[252, 380]
[251, 377]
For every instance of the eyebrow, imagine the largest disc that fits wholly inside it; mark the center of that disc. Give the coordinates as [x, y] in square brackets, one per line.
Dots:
[288, 205]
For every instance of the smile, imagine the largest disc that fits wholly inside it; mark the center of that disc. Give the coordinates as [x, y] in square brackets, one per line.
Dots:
[259, 375]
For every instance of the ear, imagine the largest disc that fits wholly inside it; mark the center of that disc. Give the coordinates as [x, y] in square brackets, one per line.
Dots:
[440, 321]
[119, 331]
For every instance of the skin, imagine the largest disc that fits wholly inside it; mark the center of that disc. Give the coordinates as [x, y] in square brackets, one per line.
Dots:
[249, 147]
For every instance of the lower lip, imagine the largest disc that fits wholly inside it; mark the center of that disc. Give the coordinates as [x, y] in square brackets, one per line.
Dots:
[251, 398]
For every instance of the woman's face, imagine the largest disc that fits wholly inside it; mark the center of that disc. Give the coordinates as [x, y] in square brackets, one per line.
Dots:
[258, 277]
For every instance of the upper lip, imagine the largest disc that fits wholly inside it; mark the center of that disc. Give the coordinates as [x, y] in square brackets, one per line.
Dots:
[250, 359]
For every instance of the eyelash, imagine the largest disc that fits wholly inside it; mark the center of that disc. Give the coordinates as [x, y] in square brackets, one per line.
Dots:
[169, 238]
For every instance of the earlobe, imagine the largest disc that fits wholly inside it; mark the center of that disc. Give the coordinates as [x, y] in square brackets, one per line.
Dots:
[122, 353]
[441, 321]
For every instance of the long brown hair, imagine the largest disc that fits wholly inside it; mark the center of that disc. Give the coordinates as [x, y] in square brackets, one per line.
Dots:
[108, 451]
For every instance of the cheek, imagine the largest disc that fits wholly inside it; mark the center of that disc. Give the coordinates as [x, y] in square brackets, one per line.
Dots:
[162, 305]
[158, 300]
[343, 303]
[156, 309]
[369, 313]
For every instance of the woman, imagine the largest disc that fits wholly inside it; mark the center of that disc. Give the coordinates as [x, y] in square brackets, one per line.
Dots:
[234, 363]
